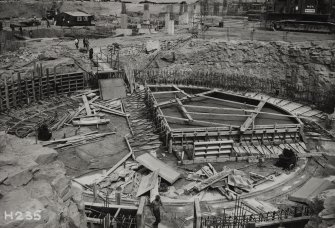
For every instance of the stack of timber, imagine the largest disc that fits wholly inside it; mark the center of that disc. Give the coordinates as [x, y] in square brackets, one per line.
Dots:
[91, 112]
[60, 144]
[212, 149]
[49, 111]
[144, 139]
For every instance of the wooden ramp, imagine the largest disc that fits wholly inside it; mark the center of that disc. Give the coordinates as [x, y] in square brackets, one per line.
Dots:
[153, 164]
[112, 88]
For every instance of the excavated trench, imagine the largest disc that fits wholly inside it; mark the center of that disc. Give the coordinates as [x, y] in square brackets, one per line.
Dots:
[306, 69]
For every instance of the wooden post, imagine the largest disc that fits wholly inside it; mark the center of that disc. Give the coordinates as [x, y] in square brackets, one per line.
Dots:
[170, 145]
[140, 214]
[34, 67]
[19, 87]
[6, 94]
[107, 221]
[1, 108]
[33, 87]
[95, 191]
[55, 82]
[48, 86]
[27, 91]
[197, 214]
[13, 92]
[40, 86]
[61, 83]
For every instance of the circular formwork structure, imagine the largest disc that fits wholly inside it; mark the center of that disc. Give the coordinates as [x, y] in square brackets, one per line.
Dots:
[204, 125]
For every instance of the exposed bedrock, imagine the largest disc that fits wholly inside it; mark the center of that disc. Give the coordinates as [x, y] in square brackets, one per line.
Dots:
[34, 191]
[305, 63]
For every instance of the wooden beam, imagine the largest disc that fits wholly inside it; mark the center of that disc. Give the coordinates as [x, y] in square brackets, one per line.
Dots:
[253, 116]
[212, 109]
[172, 101]
[108, 110]
[218, 114]
[182, 91]
[165, 92]
[177, 120]
[87, 105]
[115, 167]
[81, 109]
[230, 102]
[184, 111]
[127, 207]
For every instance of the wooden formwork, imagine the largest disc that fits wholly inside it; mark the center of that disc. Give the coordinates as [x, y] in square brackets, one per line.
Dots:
[186, 138]
[25, 91]
[312, 94]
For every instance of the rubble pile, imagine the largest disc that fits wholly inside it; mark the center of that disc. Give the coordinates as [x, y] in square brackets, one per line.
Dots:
[229, 182]
[22, 61]
[33, 185]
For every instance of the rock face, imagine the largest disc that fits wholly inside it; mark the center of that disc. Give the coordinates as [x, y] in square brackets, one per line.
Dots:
[35, 193]
[325, 205]
[299, 62]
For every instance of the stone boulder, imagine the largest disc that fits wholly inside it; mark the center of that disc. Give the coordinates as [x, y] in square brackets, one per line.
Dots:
[324, 205]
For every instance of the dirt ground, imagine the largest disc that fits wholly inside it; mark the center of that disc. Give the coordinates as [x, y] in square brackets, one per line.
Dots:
[98, 155]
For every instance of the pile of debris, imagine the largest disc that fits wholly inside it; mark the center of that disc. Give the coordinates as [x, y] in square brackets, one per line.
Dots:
[90, 113]
[144, 175]
[229, 182]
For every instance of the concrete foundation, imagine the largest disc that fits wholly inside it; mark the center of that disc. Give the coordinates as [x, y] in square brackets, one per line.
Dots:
[184, 19]
[124, 21]
[146, 12]
[167, 19]
[170, 27]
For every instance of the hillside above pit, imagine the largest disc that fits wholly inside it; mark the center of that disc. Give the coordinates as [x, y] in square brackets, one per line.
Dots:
[302, 63]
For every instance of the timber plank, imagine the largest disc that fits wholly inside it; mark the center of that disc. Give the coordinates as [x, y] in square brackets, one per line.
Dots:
[165, 171]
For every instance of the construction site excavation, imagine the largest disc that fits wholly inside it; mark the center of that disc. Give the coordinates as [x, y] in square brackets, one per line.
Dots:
[167, 113]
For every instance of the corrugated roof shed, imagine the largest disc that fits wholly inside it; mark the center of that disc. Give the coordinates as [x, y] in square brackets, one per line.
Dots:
[168, 1]
[77, 14]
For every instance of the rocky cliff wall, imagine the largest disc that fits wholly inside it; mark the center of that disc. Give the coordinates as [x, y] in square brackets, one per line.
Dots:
[34, 191]
[303, 63]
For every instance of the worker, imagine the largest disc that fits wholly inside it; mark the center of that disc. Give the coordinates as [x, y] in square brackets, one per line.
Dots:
[156, 204]
[48, 23]
[76, 42]
[21, 31]
[90, 54]
[44, 133]
[84, 42]
[87, 44]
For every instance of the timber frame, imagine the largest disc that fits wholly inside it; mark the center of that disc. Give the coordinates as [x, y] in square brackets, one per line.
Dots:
[182, 140]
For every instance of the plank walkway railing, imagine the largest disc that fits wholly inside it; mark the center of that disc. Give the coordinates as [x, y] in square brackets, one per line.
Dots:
[310, 93]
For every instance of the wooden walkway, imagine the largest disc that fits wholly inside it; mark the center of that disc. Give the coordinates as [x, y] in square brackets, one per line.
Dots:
[144, 138]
